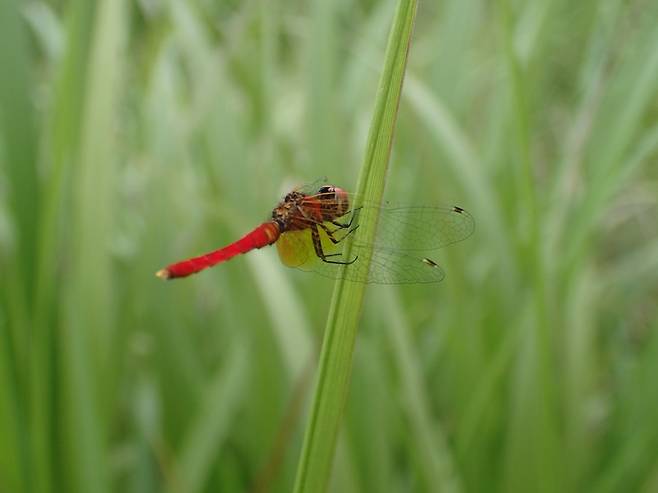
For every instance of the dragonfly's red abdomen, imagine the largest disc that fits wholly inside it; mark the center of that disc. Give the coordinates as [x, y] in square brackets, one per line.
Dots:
[263, 235]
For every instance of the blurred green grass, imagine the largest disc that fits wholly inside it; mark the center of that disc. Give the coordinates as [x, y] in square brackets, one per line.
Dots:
[135, 133]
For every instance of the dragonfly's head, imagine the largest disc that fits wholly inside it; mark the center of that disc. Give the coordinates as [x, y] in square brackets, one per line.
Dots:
[337, 198]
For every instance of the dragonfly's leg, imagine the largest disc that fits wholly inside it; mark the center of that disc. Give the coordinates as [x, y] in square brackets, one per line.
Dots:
[355, 213]
[317, 245]
[342, 226]
[331, 236]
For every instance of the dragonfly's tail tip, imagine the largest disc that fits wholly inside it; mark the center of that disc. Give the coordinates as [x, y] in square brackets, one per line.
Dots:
[163, 274]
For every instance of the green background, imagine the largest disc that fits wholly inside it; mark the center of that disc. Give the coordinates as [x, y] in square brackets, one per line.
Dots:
[136, 133]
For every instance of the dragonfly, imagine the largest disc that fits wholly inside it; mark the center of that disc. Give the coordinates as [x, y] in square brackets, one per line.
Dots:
[310, 227]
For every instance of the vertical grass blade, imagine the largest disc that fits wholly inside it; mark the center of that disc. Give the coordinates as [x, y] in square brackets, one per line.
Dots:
[12, 468]
[436, 462]
[63, 129]
[89, 318]
[17, 124]
[208, 431]
[337, 349]
[18, 168]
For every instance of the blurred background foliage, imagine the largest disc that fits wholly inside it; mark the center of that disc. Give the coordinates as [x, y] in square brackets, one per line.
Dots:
[135, 133]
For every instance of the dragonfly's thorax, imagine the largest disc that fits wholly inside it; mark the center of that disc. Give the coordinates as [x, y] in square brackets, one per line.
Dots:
[285, 213]
[300, 211]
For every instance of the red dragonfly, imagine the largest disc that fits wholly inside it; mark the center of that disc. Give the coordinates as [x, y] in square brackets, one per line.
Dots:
[309, 228]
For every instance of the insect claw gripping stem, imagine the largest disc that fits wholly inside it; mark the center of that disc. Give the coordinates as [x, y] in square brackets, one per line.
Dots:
[330, 233]
[317, 245]
[337, 262]
[355, 213]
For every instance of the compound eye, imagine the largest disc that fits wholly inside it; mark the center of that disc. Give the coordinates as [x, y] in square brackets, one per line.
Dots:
[326, 190]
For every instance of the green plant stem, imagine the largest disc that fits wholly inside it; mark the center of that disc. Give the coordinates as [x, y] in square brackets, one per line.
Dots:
[340, 334]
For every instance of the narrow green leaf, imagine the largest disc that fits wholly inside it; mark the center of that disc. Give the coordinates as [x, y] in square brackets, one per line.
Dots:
[64, 124]
[12, 472]
[338, 346]
[206, 434]
[89, 317]
[436, 463]
[18, 167]
[464, 162]
[289, 320]
[19, 134]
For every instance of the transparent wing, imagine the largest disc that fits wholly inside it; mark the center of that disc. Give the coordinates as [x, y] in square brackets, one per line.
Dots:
[312, 187]
[386, 266]
[392, 257]
[409, 228]
[419, 228]
[412, 228]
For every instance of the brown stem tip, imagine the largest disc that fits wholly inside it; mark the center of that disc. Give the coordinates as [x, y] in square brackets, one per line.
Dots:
[163, 274]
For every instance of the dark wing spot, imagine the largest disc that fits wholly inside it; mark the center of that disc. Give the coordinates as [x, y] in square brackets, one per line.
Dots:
[457, 209]
[430, 262]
